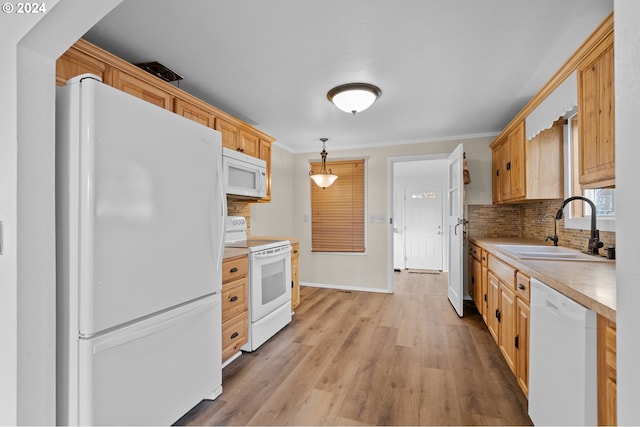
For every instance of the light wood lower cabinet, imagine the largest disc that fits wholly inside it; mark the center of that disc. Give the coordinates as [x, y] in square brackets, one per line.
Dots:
[607, 375]
[235, 308]
[295, 275]
[508, 316]
[522, 345]
[507, 328]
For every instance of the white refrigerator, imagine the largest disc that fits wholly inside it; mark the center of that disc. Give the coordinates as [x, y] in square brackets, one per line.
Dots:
[140, 213]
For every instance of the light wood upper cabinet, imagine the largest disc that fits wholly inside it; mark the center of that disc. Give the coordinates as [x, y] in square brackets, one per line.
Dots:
[528, 170]
[265, 154]
[596, 111]
[140, 88]
[193, 112]
[238, 138]
[74, 62]
[230, 133]
[593, 62]
[84, 57]
[509, 165]
[249, 143]
[545, 164]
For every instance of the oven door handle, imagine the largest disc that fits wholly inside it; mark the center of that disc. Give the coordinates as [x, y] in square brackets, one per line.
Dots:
[271, 254]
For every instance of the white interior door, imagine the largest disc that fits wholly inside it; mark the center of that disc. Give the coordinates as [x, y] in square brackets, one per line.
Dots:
[455, 225]
[423, 227]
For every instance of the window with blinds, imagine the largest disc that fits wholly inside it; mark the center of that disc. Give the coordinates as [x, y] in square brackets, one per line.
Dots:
[337, 212]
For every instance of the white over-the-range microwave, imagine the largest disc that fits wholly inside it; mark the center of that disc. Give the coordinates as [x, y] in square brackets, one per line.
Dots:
[244, 175]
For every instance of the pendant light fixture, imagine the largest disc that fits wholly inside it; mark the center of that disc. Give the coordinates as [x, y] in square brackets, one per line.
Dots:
[323, 179]
[354, 97]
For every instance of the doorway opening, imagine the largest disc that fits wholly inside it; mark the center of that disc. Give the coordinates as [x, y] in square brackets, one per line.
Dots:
[425, 199]
[418, 192]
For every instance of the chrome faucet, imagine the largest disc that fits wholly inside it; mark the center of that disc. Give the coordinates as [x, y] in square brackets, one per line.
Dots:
[594, 240]
[553, 238]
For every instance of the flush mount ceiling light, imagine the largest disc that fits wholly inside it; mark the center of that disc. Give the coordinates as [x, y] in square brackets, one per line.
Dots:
[323, 179]
[354, 97]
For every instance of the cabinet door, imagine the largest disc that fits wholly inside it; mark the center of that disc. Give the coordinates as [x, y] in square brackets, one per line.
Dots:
[507, 328]
[265, 154]
[477, 285]
[194, 113]
[230, 133]
[295, 275]
[249, 143]
[522, 344]
[73, 63]
[493, 300]
[141, 89]
[516, 162]
[485, 293]
[496, 182]
[596, 110]
[505, 171]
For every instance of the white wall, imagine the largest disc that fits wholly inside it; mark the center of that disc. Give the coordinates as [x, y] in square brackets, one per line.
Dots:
[29, 47]
[370, 271]
[627, 86]
[276, 218]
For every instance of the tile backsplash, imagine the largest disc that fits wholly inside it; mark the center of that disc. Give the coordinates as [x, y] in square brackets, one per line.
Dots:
[524, 220]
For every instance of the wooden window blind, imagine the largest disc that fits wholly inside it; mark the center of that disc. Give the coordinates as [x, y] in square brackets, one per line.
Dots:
[337, 212]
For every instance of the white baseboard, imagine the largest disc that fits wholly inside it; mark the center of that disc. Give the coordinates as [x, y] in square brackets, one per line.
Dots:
[345, 287]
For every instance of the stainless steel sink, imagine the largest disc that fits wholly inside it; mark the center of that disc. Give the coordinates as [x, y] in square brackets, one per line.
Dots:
[556, 253]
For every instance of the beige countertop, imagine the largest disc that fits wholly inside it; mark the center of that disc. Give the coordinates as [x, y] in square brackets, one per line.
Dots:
[275, 239]
[590, 283]
[234, 252]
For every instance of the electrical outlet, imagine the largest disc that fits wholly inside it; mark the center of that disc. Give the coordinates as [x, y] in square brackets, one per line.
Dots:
[380, 219]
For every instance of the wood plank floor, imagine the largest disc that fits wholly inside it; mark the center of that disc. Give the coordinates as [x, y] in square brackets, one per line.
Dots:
[358, 358]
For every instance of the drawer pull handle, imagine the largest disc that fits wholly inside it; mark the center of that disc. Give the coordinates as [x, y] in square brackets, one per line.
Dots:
[234, 335]
[234, 298]
[233, 270]
[521, 286]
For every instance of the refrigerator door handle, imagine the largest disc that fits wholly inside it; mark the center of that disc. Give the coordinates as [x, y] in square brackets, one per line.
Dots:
[106, 343]
[219, 221]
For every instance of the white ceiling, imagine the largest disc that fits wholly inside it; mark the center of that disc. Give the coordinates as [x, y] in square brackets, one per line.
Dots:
[446, 68]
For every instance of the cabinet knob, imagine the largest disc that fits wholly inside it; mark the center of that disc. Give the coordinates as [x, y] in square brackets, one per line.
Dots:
[234, 335]
[521, 286]
[233, 270]
[234, 298]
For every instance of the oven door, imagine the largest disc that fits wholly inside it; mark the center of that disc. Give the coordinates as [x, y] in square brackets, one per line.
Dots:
[270, 281]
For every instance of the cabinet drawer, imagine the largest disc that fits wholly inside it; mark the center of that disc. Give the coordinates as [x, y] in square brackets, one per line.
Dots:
[234, 269]
[474, 251]
[503, 271]
[234, 335]
[484, 257]
[522, 286]
[234, 298]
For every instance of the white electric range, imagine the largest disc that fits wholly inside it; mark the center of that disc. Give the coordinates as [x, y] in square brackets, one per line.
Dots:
[269, 281]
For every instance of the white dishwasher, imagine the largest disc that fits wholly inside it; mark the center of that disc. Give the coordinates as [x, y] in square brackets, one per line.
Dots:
[562, 360]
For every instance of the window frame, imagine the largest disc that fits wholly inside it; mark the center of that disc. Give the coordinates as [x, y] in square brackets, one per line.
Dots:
[603, 223]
